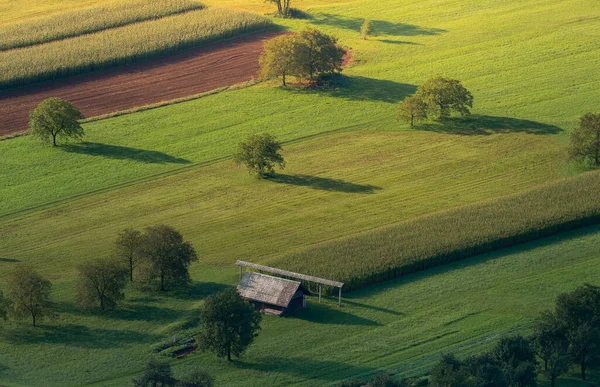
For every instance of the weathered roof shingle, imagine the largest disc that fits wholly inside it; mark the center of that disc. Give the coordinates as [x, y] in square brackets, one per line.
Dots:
[267, 289]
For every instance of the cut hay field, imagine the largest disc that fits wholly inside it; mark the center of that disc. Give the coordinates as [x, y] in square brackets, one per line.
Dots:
[124, 45]
[532, 67]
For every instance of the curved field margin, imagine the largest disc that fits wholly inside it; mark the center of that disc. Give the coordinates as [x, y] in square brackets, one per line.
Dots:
[190, 72]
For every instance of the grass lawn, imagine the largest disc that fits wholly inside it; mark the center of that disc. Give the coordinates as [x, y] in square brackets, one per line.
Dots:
[398, 326]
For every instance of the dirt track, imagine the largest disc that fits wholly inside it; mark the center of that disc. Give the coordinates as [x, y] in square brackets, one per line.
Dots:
[179, 75]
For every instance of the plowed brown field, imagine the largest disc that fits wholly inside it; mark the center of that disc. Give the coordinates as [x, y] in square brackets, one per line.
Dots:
[179, 75]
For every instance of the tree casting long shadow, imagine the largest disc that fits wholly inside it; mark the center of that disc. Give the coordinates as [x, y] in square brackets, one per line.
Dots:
[379, 26]
[356, 88]
[123, 153]
[485, 125]
[323, 183]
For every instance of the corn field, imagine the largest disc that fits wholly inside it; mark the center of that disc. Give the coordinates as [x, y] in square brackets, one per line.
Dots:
[452, 235]
[89, 20]
[124, 45]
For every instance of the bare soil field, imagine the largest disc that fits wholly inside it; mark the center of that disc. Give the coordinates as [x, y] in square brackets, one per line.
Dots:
[190, 72]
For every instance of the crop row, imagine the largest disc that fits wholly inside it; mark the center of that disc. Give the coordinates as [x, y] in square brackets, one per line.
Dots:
[448, 236]
[88, 20]
[124, 45]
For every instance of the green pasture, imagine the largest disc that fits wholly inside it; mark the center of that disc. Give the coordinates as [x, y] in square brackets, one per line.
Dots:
[532, 67]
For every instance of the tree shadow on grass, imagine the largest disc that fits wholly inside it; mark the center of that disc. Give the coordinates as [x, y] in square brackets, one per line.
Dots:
[356, 88]
[301, 367]
[9, 260]
[399, 42]
[379, 26]
[123, 153]
[323, 183]
[77, 336]
[198, 290]
[485, 125]
[328, 314]
[371, 307]
[128, 312]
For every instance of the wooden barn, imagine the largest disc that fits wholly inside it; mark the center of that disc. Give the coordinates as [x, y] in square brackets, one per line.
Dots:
[272, 295]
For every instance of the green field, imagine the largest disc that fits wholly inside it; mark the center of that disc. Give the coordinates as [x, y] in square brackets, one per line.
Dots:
[532, 67]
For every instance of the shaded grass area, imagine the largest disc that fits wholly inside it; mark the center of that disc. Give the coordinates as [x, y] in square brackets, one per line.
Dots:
[398, 326]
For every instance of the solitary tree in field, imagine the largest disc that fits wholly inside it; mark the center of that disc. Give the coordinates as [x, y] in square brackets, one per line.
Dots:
[578, 312]
[101, 283]
[283, 7]
[29, 295]
[278, 58]
[585, 139]
[229, 324]
[128, 246]
[412, 109]
[156, 374]
[55, 117]
[316, 54]
[168, 255]
[366, 29]
[260, 153]
[197, 378]
[551, 345]
[442, 96]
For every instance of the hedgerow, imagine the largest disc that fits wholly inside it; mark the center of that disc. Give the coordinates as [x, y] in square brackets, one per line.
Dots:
[452, 235]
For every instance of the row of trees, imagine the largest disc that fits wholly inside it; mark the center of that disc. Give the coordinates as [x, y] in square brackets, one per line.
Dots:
[306, 56]
[564, 337]
[158, 255]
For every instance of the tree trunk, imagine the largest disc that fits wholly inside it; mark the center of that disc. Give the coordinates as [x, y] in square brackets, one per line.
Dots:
[553, 380]
[33, 318]
[228, 354]
[283, 77]
[545, 364]
[53, 139]
[583, 367]
[131, 269]
[162, 281]
[412, 120]
[102, 303]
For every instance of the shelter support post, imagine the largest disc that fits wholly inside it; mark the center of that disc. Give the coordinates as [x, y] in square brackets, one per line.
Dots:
[320, 290]
[241, 273]
[340, 297]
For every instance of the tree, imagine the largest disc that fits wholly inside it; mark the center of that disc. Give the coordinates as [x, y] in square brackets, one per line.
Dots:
[366, 29]
[412, 109]
[551, 346]
[585, 139]
[283, 7]
[229, 324]
[156, 374]
[517, 360]
[578, 313]
[168, 255]
[484, 371]
[102, 283]
[55, 117]
[29, 295]
[128, 246]
[449, 372]
[260, 153]
[316, 54]
[444, 95]
[197, 379]
[278, 58]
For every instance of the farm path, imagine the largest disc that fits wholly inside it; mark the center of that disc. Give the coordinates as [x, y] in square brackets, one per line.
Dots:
[124, 87]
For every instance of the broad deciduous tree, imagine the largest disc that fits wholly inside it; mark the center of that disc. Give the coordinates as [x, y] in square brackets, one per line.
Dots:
[278, 58]
[585, 139]
[517, 360]
[29, 295]
[128, 248]
[168, 255]
[229, 324]
[412, 109]
[101, 283]
[551, 345]
[260, 153]
[156, 374]
[317, 53]
[197, 379]
[55, 117]
[449, 372]
[443, 96]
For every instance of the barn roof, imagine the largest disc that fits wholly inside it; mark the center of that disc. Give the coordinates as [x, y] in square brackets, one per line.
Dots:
[267, 289]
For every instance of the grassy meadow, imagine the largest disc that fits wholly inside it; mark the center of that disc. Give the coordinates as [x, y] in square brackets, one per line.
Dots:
[88, 20]
[124, 45]
[532, 67]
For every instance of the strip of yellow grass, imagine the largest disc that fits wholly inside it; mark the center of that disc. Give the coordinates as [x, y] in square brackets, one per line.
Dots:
[88, 20]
